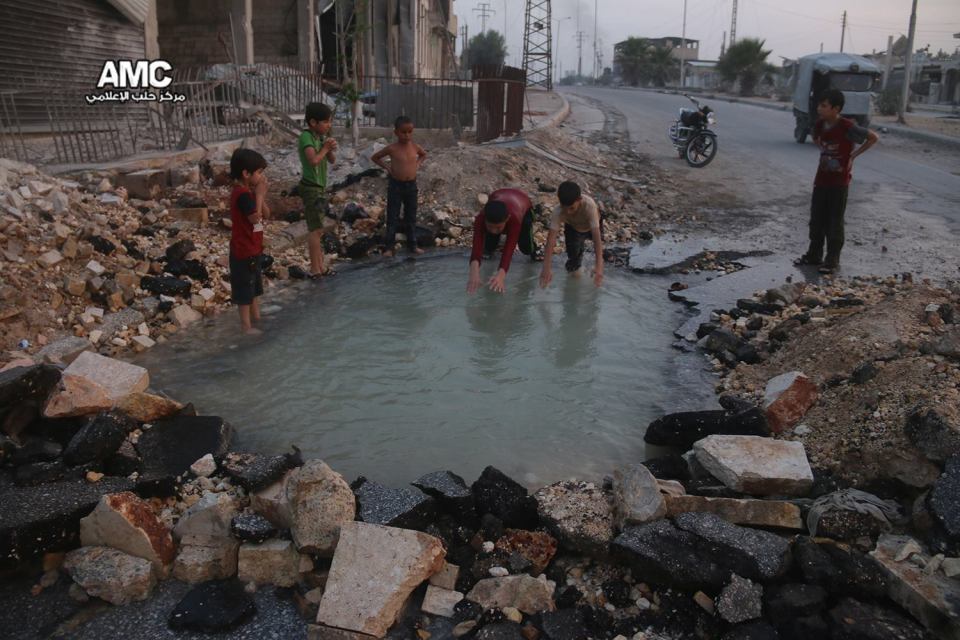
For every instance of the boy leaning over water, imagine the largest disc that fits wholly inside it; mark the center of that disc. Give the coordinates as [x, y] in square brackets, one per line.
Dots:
[316, 150]
[406, 156]
[579, 215]
[247, 209]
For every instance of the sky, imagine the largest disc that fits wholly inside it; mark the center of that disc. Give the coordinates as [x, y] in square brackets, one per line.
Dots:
[791, 28]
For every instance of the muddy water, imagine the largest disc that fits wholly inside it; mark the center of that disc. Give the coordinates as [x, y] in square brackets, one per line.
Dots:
[392, 371]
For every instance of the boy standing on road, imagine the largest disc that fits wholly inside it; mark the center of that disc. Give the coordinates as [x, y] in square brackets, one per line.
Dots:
[580, 217]
[837, 138]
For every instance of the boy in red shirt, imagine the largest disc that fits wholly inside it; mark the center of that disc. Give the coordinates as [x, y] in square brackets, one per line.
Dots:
[247, 209]
[836, 138]
[510, 212]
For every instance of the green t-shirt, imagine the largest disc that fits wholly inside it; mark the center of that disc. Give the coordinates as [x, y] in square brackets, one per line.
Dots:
[315, 176]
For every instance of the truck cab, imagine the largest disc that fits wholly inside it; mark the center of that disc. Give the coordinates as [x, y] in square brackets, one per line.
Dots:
[854, 75]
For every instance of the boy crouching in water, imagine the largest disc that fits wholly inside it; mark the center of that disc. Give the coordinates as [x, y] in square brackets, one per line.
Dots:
[247, 209]
[406, 156]
[580, 217]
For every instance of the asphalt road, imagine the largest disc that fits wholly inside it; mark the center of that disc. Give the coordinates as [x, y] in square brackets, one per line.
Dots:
[905, 195]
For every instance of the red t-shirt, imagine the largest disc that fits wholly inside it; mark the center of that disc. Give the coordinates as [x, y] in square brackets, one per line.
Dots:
[244, 241]
[517, 203]
[836, 144]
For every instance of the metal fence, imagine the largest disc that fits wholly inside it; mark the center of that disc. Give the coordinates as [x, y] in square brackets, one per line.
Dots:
[221, 102]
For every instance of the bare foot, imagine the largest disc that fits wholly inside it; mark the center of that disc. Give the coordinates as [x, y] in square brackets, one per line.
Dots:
[417, 251]
[252, 331]
[387, 253]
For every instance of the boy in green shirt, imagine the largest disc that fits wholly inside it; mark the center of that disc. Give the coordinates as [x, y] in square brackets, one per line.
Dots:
[316, 149]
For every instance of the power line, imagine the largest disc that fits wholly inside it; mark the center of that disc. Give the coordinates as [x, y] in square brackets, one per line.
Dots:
[580, 37]
[538, 44]
[733, 24]
[484, 11]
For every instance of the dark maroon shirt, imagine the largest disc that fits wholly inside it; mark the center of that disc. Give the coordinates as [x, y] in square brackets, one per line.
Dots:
[836, 145]
[244, 241]
[517, 203]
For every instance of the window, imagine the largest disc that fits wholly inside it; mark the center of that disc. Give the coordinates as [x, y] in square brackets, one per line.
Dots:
[852, 81]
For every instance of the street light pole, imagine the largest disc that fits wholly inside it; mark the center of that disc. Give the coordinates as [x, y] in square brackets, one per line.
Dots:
[556, 49]
[683, 46]
[905, 94]
[596, 19]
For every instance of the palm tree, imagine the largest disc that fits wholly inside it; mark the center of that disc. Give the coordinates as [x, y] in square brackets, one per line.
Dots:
[632, 56]
[661, 66]
[746, 61]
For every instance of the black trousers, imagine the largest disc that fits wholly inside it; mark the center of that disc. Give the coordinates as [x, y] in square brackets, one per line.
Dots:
[525, 243]
[827, 208]
[576, 242]
[401, 195]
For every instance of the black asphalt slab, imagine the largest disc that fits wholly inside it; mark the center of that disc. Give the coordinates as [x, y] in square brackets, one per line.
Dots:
[53, 614]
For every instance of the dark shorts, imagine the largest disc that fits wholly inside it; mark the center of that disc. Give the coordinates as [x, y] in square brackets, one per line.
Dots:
[315, 207]
[246, 279]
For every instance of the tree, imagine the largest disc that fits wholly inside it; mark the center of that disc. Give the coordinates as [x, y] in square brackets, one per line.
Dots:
[661, 67]
[746, 61]
[485, 48]
[632, 54]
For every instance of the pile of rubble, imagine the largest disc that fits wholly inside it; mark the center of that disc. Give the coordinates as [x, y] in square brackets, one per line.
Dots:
[104, 266]
[118, 489]
[874, 365]
[115, 261]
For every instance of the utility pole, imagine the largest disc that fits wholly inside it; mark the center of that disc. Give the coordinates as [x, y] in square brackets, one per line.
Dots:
[596, 5]
[559, 75]
[907, 59]
[484, 11]
[733, 24]
[723, 44]
[538, 44]
[843, 29]
[683, 46]
[504, 20]
[889, 70]
[580, 37]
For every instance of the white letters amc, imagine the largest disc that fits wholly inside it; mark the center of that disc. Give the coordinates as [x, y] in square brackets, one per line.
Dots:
[135, 74]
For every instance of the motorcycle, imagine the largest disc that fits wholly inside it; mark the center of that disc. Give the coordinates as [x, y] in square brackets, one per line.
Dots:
[691, 135]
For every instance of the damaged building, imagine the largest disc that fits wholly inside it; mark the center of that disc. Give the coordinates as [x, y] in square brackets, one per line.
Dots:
[238, 67]
[394, 38]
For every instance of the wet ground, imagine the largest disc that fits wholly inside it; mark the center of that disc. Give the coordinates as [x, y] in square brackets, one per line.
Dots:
[903, 212]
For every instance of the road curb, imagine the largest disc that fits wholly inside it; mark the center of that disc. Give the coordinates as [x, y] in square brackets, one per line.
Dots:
[915, 134]
[897, 130]
[558, 116]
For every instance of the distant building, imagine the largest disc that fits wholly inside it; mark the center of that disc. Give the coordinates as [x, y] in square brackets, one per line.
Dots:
[691, 50]
[401, 38]
[701, 74]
